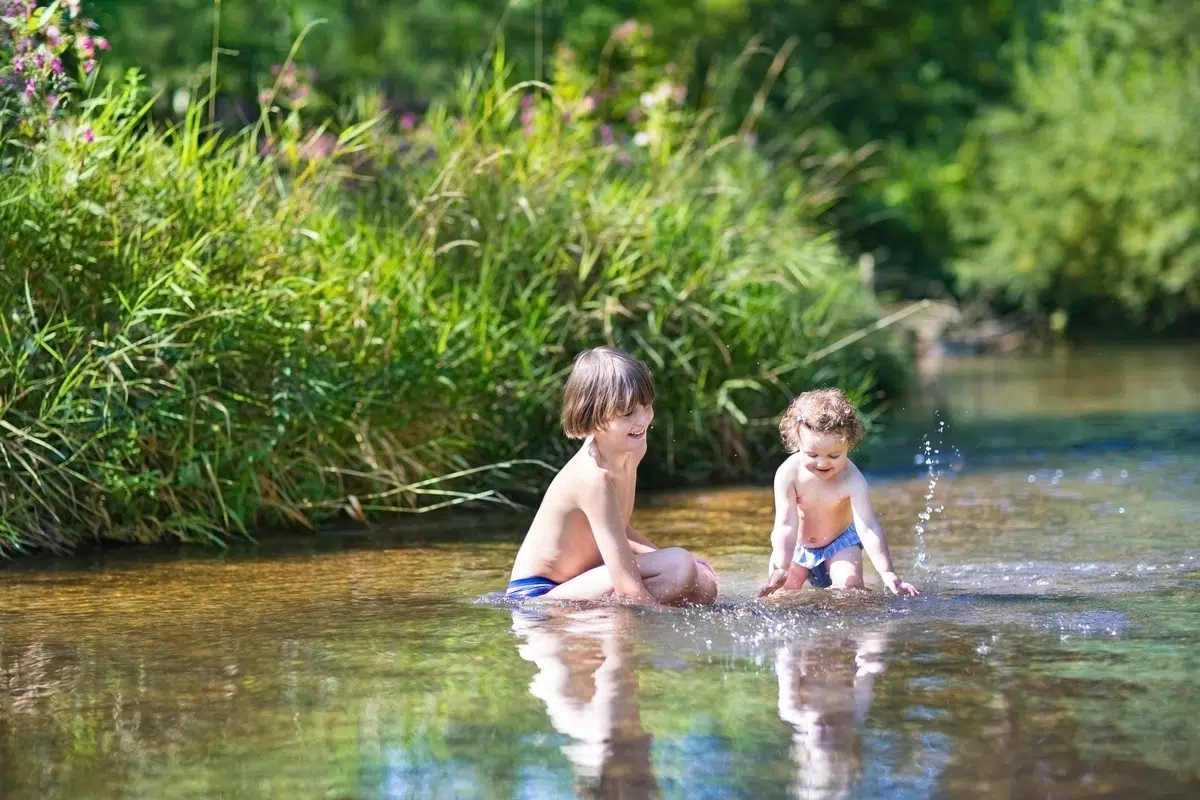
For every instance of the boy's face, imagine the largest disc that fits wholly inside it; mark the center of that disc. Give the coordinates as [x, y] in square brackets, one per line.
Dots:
[628, 431]
[823, 454]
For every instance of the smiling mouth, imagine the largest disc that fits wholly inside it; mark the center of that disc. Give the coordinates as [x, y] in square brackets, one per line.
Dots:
[639, 435]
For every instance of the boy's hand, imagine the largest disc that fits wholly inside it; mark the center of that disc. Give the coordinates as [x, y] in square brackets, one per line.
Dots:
[897, 586]
[774, 582]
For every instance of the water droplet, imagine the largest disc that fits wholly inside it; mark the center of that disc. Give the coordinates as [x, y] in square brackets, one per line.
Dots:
[1032, 479]
[1124, 473]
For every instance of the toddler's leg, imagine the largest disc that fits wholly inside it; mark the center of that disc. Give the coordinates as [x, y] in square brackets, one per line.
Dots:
[797, 575]
[846, 569]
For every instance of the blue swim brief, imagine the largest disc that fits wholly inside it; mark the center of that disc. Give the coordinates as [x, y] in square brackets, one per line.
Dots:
[814, 560]
[527, 588]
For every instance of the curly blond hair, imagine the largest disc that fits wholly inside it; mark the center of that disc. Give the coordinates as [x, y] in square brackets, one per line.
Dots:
[821, 411]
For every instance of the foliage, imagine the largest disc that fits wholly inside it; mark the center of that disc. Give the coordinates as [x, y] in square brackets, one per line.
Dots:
[37, 45]
[910, 75]
[204, 334]
[1083, 199]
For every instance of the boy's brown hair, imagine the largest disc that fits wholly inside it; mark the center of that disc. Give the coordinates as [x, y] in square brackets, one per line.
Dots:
[605, 383]
[821, 411]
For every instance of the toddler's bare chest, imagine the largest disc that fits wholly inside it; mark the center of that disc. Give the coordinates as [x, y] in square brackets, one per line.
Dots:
[819, 502]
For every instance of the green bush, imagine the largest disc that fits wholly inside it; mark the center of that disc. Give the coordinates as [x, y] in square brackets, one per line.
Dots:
[1082, 201]
[206, 334]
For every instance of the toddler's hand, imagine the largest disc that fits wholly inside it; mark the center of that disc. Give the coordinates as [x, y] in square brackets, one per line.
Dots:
[774, 583]
[892, 581]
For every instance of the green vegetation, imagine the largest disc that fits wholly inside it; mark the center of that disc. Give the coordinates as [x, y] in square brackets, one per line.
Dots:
[906, 74]
[357, 285]
[204, 334]
[1083, 199]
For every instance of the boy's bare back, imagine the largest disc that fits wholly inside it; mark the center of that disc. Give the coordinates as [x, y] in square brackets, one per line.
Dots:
[560, 543]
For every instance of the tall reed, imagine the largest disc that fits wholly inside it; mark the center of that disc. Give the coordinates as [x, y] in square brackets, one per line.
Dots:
[206, 332]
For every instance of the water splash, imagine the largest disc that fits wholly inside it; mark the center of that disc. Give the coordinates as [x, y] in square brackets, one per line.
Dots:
[932, 458]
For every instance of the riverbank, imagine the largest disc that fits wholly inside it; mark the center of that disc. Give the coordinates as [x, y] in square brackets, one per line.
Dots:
[208, 334]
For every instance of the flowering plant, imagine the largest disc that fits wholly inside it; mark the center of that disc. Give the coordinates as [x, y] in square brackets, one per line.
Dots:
[39, 45]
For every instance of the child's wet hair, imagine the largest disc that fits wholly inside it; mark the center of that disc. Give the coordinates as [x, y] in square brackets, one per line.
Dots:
[605, 383]
[821, 411]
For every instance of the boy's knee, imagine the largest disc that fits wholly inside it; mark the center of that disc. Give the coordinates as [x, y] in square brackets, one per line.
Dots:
[705, 591]
[682, 565]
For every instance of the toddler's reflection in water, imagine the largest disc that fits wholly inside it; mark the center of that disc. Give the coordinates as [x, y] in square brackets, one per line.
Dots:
[587, 677]
[826, 687]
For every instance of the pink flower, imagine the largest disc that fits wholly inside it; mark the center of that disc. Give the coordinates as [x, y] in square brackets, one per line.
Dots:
[89, 65]
[527, 117]
[606, 135]
[318, 147]
[103, 44]
[87, 135]
[408, 121]
[56, 66]
[54, 35]
[30, 88]
[73, 6]
[625, 30]
[52, 101]
[18, 65]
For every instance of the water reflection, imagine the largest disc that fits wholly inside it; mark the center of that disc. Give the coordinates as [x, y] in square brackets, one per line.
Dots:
[587, 678]
[825, 692]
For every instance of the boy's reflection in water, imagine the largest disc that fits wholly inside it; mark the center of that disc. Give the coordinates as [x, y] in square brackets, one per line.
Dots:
[587, 677]
[826, 687]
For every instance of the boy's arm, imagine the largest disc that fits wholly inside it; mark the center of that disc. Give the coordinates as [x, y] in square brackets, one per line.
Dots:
[784, 532]
[599, 503]
[871, 534]
[639, 543]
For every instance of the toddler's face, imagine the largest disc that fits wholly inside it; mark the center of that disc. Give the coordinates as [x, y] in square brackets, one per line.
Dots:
[823, 454]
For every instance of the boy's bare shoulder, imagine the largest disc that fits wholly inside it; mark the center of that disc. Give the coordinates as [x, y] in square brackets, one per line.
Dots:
[583, 475]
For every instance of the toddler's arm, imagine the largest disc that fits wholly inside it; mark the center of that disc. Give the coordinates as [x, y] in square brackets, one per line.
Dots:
[784, 532]
[871, 535]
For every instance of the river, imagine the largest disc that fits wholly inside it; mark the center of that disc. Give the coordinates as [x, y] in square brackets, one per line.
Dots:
[1047, 506]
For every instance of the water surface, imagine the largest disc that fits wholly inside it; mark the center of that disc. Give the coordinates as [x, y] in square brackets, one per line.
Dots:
[1056, 651]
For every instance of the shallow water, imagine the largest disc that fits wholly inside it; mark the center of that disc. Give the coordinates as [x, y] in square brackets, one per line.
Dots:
[1055, 652]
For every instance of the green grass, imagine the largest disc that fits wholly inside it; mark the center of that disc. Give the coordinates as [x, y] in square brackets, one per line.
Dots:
[203, 334]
